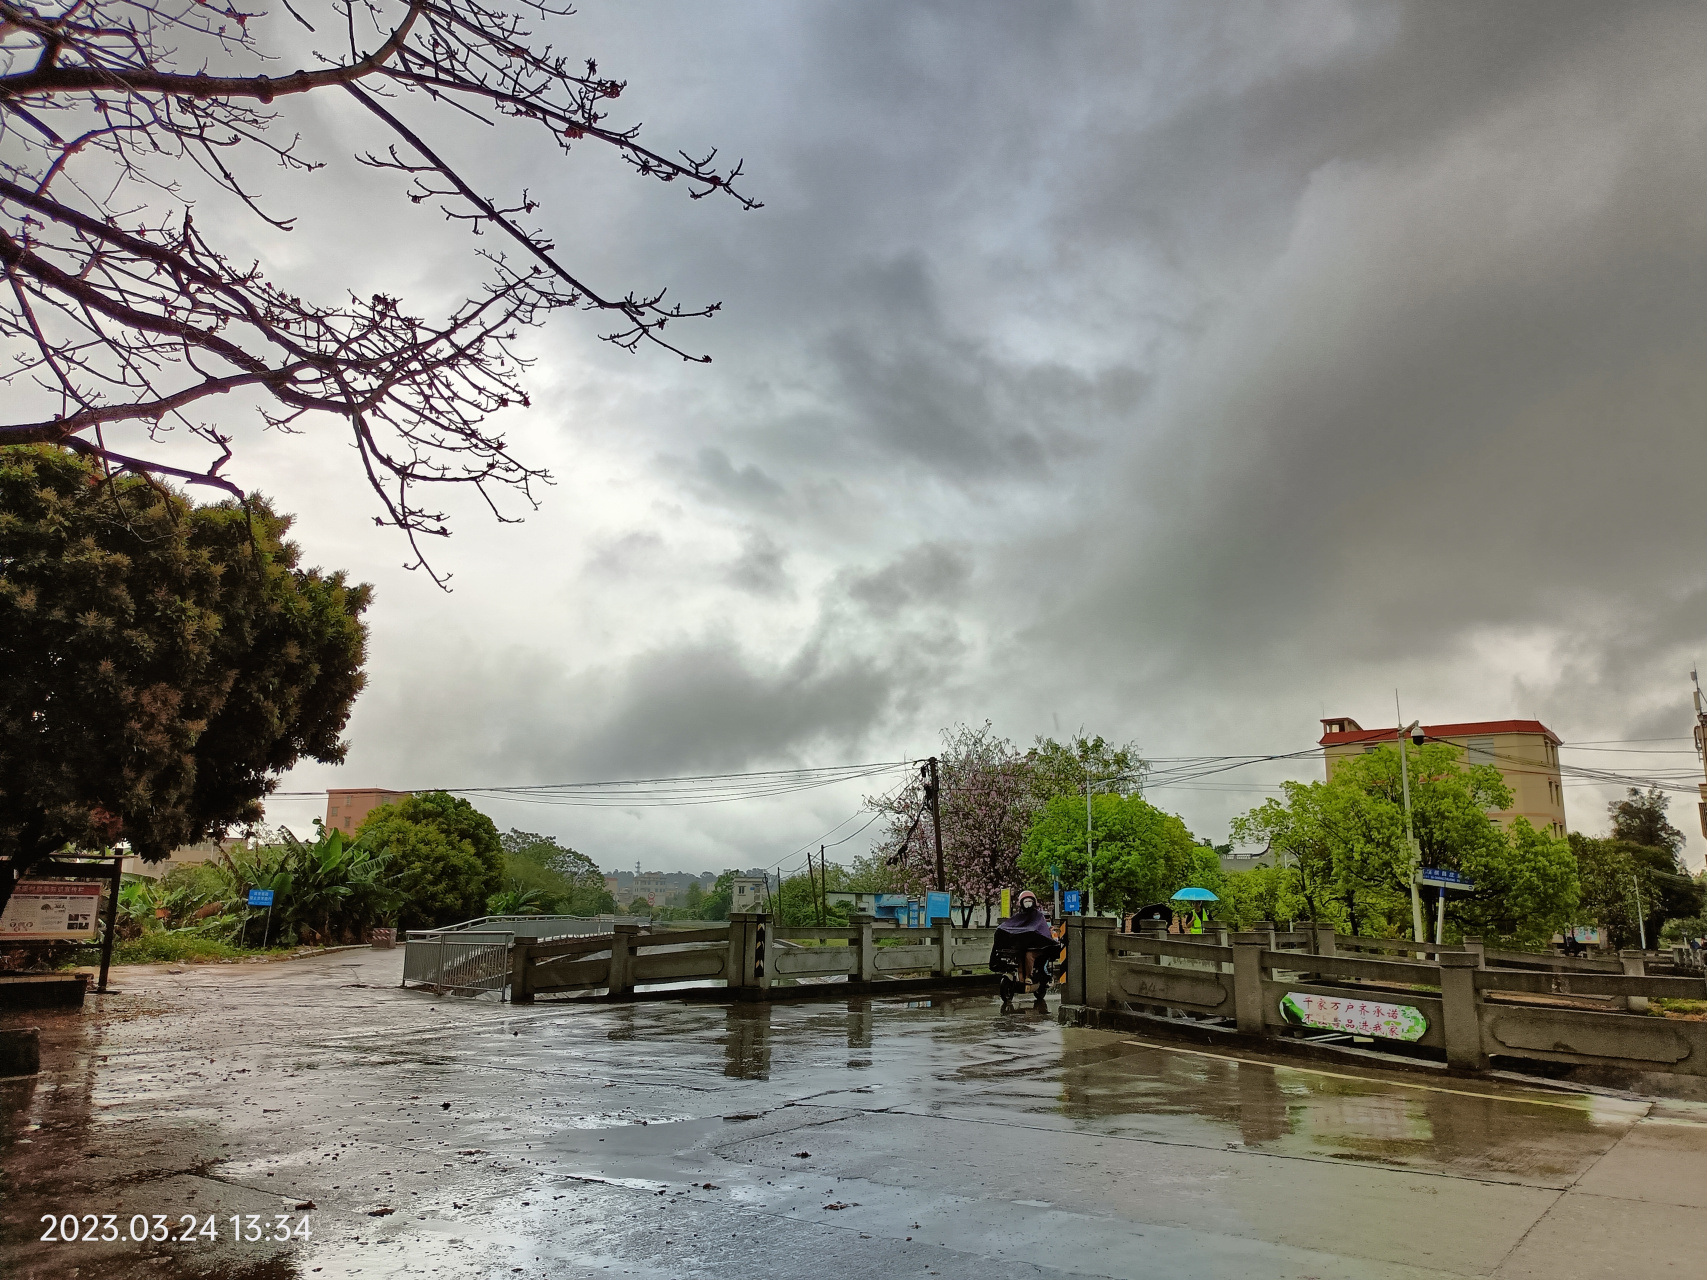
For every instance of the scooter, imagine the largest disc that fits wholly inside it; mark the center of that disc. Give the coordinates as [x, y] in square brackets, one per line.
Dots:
[1009, 964]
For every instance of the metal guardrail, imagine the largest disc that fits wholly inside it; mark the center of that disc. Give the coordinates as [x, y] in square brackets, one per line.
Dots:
[539, 927]
[462, 960]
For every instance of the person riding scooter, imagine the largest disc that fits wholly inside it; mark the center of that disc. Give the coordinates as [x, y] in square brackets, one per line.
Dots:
[1025, 937]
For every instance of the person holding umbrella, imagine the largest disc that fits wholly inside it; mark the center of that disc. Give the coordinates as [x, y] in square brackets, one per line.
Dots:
[1198, 907]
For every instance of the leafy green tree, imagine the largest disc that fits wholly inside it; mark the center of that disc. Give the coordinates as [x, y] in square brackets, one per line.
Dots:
[1527, 887]
[870, 874]
[1142, 855]
[1640, 818]
[337, 887]
[1646, 848]
[1342, 842]
[798, 903]
[1632, 890]
[330, 888]
[1336, 848]
[163, 662]
[444, 852]
[1062, 769]
[515, 902]
[639, 907]
[564, 881]
[1262, 893]
[716, 903]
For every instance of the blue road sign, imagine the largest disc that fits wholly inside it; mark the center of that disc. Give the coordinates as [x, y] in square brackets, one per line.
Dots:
[260, 897]
[1070, 902]
[1440, 878]
[937, 906]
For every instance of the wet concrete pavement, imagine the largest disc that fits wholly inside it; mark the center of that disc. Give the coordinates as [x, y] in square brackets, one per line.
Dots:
[873, 1137]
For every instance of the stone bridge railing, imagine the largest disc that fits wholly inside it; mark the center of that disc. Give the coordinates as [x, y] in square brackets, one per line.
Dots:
[750, 954]
[1465, 1003]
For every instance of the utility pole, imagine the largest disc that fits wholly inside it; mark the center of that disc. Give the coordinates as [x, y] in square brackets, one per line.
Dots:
[1641, 922]
[1700, 746]
[1090, 858]
[933, 788]
[1410, 833]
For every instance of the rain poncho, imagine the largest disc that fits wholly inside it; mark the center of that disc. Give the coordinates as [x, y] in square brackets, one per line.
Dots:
[1028, 920]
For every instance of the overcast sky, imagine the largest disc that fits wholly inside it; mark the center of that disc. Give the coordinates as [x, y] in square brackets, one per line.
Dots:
[1184, 372]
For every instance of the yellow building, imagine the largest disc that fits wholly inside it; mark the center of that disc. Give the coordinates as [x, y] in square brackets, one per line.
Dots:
[1526, 752]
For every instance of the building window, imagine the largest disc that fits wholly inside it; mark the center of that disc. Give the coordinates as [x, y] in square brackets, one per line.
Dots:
[1481, 750]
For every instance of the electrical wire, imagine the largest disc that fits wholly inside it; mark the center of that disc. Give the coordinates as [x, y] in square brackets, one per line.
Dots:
[638, 793]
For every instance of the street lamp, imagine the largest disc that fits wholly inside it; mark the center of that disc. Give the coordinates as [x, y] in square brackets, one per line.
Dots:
[1090, 857]
[1414, 732]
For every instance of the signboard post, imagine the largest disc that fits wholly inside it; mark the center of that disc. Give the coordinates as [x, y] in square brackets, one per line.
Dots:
[262, 898]
[1444, 881]
[52, 911]
[62, 903]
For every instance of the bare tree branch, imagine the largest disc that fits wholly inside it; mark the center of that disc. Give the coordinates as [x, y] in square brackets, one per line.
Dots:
[119, 310]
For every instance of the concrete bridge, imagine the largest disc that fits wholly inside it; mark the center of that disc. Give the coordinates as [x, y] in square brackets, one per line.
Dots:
[1468, 1005]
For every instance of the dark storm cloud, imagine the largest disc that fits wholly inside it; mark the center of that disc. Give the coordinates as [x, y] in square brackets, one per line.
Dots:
[1467, 391]
[759, 569]
[932, 575]
[1181, 369]
[720, 479]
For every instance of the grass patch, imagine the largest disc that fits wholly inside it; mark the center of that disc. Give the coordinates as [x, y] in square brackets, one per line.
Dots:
[1688, 1010]
[165, 947]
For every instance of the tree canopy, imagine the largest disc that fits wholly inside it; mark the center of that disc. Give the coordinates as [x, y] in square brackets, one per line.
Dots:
[1640, 818]
[132, 135]
[1066, 768]
[164, 662]
[1633, 880]
[1342, 843]
[444, 855]
[1141, 854]
[987, 800]
[991, 793]
[563, 881]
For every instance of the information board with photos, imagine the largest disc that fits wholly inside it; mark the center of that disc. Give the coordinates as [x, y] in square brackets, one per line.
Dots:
[52, 911]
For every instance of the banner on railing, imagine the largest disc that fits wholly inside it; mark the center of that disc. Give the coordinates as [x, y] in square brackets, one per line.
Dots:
[1359, 1017]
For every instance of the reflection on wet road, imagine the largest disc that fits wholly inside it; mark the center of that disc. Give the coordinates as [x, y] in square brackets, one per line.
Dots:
[883, 1137]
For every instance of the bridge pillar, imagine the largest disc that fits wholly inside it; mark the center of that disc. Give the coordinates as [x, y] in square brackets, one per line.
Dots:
[867, 971]
[1087, 960]
[1247, 982]
[944, 948]
[621, 980]
[1461, 1011]
[521, 973]
[1635, 966]
[749, 961]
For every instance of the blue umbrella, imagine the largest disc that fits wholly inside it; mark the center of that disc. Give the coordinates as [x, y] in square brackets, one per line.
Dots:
[1195, 895]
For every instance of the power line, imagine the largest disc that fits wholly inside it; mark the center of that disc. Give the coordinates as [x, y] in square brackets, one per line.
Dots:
[667, 792]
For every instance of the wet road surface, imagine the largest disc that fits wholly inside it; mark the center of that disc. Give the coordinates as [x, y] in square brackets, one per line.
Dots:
[449, 1137]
